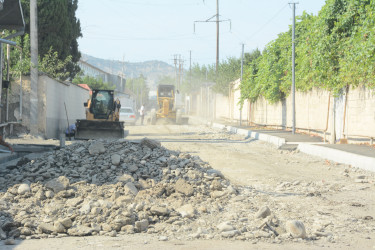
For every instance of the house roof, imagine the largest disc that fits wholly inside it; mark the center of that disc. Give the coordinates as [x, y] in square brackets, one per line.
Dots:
[85, 86]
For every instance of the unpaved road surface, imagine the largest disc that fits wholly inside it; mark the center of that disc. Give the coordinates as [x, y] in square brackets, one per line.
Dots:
[335, 202]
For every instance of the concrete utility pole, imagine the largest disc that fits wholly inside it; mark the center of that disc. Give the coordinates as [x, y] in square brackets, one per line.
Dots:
[8, 77]
[34, 67]
[243, 45]
[217, 21]
[293, 69]
[217, 35]
[175, 67]
[190, 68]
[122, 73]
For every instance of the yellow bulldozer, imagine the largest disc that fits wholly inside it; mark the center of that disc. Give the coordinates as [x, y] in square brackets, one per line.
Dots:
[167, 110]
[102, 117]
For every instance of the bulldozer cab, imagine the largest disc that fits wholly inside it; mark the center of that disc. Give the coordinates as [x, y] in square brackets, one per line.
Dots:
[102, 103]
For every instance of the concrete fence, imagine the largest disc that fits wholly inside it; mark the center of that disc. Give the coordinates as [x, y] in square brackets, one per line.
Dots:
[53, 96]
[349, 115]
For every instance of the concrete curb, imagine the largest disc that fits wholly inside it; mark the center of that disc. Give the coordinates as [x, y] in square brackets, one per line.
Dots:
[359, 161]
[277, 141]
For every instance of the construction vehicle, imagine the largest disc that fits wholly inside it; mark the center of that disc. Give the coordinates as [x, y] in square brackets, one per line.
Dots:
[167, 108]
[102, 117]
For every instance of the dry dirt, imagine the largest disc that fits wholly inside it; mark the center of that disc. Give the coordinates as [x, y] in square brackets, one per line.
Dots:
[327, 197]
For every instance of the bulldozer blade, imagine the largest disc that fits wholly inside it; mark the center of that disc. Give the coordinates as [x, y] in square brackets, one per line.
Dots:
[86, 130]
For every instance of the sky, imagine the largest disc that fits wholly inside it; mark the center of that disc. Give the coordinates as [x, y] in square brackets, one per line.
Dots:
[143, 30]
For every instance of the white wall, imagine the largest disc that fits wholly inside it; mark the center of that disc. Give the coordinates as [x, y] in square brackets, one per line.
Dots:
[58, 93]
[312, 111]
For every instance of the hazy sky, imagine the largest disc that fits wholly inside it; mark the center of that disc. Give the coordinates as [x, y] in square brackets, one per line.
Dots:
[142, 30]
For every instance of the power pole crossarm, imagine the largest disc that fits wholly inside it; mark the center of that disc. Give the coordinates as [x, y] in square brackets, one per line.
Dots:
[217, 21]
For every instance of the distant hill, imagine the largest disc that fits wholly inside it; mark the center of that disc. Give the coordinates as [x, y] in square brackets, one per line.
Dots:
[152, 70]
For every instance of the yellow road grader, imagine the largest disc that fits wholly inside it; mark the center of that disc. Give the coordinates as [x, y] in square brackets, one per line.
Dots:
[167, 110]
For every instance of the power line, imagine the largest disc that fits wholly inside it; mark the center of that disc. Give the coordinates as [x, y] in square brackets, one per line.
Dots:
[264, 25]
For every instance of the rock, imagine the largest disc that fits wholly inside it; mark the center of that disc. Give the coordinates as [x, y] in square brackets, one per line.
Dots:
[59, 227]
[217, 194]
[296, 229]
[58, 184]
[133, 168]
[163, 238]
[129, 229]
[9, 242]
[115, 159]
[225, 226]
[183, 187]
[216, 185]
[96, 210]
[96, 148]
[49, 194]
[113, 233]
[67, 222]
[80, 231]
[231, 190]
[130, 188]
[80, 149]
[46, 228]
[157, 210]
[3, 235]
[187, 211]
[85, 209]
[125, 178]
[23, 189]
[215, 172]
[230, 234]
[263, 212]
[141, 225]
[150, 143]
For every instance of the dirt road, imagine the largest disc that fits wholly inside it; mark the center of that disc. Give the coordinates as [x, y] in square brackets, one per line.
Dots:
[335, 202]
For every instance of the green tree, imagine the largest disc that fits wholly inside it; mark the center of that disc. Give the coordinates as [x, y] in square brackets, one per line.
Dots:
[93, 82]
[139, 87]
[59, 29]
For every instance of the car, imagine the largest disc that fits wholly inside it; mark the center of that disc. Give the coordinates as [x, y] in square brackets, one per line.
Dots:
[127, 115]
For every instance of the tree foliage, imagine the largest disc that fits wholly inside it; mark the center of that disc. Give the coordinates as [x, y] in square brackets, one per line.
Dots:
[94, 83]
[333, 50]
[139, 87]
[58, 31]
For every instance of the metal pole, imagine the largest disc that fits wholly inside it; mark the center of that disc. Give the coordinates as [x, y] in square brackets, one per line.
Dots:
[8, 62]
[293, 70]
[1, 74]
[34, 68]
[21, 94]
[243, 45]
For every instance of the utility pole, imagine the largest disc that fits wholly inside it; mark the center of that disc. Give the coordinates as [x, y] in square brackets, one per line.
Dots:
[34, 67]
[179, 72]
[8, 67]
[243, 45]
[175, 67]
[293, 69]
[122, 73]
[217, 21]
[190, 68]
[217, 35]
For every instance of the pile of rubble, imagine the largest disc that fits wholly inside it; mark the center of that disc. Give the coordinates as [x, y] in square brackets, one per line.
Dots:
[123, 187]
